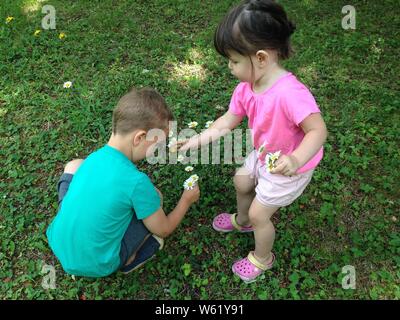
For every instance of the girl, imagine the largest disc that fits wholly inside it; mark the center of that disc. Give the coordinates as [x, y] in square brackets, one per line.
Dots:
[283, 117]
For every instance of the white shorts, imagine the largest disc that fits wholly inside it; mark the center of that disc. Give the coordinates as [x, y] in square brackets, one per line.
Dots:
[275, 190]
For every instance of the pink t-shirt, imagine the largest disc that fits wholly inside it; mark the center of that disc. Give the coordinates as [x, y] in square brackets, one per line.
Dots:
[275, 115]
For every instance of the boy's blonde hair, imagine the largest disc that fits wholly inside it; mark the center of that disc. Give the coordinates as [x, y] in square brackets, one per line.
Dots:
[140, 109]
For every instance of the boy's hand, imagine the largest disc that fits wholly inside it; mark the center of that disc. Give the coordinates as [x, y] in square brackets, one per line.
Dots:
[286, 165]
[191, 196]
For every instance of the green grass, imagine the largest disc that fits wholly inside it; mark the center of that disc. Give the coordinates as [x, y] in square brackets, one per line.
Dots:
[347, 216]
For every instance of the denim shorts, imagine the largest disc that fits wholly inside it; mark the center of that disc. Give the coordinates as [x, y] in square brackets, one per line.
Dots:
[135, 234]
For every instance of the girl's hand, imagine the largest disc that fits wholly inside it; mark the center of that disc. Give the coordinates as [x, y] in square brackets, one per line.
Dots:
[286, 165]
[177, 145]
[187, 144]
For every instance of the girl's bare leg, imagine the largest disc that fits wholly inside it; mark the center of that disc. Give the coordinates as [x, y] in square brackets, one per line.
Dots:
[264, 231]
[244, 185]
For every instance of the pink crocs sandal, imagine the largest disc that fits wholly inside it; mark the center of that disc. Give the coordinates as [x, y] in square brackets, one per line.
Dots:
[226, 222]
[248, 269]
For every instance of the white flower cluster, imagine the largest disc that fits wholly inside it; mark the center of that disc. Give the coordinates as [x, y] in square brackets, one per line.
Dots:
[271, 159]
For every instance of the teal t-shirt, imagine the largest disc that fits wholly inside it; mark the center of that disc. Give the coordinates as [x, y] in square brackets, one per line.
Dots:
[104, 194]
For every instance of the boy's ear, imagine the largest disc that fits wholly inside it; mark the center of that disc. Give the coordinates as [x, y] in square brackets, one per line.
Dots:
[138, 137]
[262, 57]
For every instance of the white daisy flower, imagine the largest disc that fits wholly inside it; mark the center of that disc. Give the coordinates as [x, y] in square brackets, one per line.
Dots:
[189, 169]
[172, 142]
[193, 124]
[194, 177]
[189, 184]
[208, 124]
[67, 84]
[173, 145]
[180, 158]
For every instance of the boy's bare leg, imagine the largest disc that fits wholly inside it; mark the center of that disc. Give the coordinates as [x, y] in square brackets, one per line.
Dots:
[264, 231]
[245, 193]
[72, 166]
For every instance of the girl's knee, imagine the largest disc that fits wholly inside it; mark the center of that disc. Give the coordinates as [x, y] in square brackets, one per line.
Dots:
[257, 217]
[244, 183]
[261, 215]
[72, 166]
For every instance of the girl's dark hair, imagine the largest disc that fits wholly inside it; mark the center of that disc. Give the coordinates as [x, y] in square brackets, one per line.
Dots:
[255, 25]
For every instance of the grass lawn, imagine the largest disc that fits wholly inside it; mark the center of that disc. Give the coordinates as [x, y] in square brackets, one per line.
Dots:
[349, 215]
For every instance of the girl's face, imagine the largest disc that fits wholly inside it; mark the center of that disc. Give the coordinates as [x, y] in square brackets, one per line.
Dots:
[245, 68]
[240, 67]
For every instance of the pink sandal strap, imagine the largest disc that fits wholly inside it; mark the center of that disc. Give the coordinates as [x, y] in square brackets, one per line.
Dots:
[238, 226]
[234, 222]
[258, 264]
[226, 222]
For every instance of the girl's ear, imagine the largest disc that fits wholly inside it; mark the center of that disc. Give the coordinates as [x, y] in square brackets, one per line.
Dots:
[262, 57]
[138, 137]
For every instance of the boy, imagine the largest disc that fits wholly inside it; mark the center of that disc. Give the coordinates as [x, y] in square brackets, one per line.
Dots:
[111, 215]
